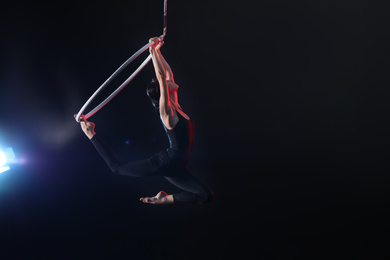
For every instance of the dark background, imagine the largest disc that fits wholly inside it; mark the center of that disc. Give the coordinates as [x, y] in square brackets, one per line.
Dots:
[290, 103]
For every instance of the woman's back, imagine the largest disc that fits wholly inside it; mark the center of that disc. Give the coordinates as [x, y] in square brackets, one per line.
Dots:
[181, 140]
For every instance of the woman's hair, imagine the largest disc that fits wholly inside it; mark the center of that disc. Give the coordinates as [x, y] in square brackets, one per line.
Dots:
[153, 92]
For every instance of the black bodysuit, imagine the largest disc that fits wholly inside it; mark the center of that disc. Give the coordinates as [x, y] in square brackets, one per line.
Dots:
[170, 163]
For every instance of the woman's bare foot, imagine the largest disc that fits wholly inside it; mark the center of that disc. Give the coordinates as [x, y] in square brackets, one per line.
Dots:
[161, 198]
[87, 127]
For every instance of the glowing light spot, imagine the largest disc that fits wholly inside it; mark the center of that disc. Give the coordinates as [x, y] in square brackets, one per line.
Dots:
[4, 169]
[7, 156]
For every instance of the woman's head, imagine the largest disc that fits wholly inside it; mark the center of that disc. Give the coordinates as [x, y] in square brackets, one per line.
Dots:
[153, 92]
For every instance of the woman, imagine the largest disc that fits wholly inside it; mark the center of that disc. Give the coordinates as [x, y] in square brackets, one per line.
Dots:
[171, 163]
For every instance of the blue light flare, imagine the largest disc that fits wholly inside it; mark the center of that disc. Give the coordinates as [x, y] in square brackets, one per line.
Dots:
[7, 157]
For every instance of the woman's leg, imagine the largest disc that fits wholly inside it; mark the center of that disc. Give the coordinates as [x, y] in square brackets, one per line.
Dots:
[141, 168]
[194, 190]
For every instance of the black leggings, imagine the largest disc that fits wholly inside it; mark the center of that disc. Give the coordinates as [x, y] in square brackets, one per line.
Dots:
[194, 191]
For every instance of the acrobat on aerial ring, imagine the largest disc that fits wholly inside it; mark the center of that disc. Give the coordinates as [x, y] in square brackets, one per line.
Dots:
[127, 81]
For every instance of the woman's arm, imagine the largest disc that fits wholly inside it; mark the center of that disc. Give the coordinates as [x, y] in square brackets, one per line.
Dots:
[168, 70]
[165, 110]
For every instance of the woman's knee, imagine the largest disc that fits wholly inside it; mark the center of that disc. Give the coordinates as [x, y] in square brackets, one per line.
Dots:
[206, 196]
[115, 167]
